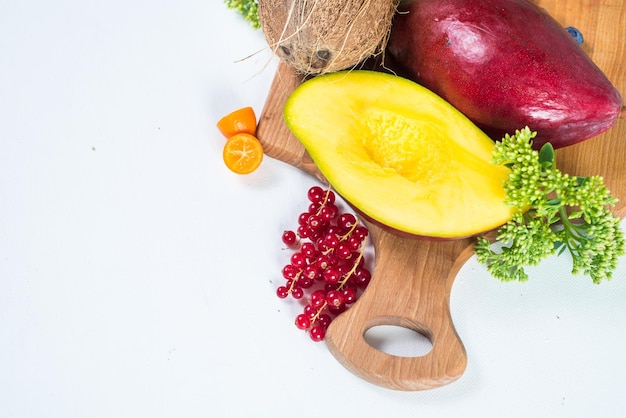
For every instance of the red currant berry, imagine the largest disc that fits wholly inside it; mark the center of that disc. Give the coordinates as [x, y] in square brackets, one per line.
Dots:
[323, 320]
[317, 333]
[315, 234]
[282, 292]
[328, 287]
[308, 250]
[330, 240]
[361, 232]
[349, 295]
[312, 272]
[328, 213]
[329, 197]
[318, 299]
[303, 218]
[333, 229]
[316, 194]
[305, 282]
[343, 251]
[354, 242]
[315, 221]
[310, 311]
[289, 238]
[326, 261]
[337, 311]
[332, 275]
[335, 298]
[361, 277]
[314, 207]
[303, 322]
[346, 221]
[290, 271]
[343, 269]
[298, 260]
[304, 231]
[297, 292]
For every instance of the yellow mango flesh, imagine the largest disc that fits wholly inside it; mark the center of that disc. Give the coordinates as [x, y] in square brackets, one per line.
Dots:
[400, 154]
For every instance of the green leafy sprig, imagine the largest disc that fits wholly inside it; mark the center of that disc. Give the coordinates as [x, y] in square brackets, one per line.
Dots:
[249, 9]
[556, 212]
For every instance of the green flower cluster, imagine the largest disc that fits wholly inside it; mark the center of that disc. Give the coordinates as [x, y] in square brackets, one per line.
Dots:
[557, 212]
[249, 9]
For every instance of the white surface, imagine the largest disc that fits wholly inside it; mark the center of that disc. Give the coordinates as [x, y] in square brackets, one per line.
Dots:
[137, 274]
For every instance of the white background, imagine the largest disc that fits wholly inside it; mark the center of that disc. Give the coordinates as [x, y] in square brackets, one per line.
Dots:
[137, 274]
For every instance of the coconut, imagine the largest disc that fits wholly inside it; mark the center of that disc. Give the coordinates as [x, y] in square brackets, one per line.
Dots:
[320, 36]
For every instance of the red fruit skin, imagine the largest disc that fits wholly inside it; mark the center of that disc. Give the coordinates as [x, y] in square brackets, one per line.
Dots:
[505, 64]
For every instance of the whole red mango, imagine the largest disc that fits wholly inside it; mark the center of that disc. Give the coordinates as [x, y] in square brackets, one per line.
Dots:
[505, 64]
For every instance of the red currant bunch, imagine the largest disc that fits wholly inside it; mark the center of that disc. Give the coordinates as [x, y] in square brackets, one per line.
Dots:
[327, 268]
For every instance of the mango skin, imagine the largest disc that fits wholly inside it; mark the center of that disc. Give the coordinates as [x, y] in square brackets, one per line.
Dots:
[505, 64]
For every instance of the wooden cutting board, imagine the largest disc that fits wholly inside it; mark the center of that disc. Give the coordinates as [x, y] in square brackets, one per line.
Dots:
[412, 278]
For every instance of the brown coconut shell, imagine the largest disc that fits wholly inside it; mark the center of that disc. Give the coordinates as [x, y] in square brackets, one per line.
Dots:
[320, 36]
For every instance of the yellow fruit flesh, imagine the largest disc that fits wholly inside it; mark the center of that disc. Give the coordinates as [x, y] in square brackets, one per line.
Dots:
[400, 154]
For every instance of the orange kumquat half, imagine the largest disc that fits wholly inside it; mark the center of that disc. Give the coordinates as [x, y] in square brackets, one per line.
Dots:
[239, 121]
[243, 153]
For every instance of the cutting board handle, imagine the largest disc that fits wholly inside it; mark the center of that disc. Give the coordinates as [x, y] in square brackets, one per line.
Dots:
[410, 288]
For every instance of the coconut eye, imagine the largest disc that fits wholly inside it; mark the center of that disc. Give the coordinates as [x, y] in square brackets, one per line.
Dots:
[323, 54]
[321, 59]
[285, 50]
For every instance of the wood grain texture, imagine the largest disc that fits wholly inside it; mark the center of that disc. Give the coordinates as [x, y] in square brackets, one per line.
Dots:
[412, 278]
[278, 141]
[603, 24]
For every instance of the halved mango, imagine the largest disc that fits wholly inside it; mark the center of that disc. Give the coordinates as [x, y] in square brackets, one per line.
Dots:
[400, 154]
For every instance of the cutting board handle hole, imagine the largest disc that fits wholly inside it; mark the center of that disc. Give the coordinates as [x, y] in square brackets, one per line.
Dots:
[398, 341]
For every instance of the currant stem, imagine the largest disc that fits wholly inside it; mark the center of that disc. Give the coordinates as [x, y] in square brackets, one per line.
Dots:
[354, 267]
[347, 234]
[294, 281]
[326, 195]
[318, 313]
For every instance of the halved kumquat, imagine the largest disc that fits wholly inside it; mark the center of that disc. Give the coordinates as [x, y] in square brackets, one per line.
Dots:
[243, 153]
[239, 121]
